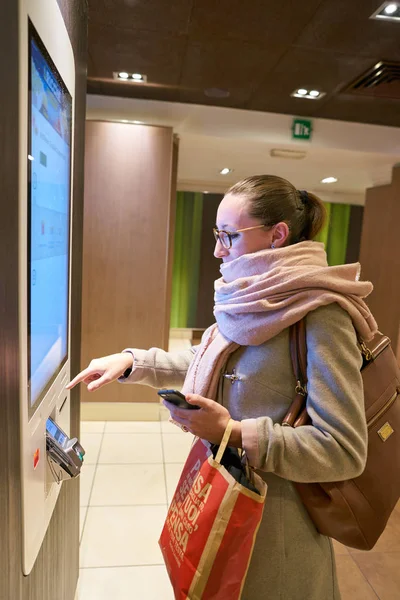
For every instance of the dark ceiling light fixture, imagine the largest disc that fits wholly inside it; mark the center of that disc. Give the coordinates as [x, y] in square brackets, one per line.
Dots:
[284, 153]
[309, 94]
[129, 77]
[389, 11]
[217, 93]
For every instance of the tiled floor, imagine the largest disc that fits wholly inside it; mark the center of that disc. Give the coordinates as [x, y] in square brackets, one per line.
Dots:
[130, 474]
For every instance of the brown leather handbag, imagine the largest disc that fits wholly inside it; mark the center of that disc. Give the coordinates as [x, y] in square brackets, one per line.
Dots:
[355, 512]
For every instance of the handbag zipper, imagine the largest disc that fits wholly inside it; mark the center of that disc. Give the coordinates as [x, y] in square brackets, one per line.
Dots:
[380, 412]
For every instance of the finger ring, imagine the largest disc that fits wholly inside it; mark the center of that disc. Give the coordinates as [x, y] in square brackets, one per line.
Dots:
[185, 429]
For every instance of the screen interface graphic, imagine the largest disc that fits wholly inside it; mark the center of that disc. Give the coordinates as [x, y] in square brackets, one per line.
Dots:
[49, 169]
[54, 431]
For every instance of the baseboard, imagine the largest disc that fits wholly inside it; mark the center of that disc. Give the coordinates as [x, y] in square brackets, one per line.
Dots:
[120, 411]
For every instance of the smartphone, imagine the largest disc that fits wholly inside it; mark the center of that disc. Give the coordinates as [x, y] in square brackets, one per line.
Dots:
[177, 399]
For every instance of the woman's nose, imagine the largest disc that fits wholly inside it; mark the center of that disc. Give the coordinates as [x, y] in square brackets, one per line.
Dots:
[220, 251]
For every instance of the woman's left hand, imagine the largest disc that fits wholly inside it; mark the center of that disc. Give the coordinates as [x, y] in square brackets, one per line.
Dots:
[208, 423]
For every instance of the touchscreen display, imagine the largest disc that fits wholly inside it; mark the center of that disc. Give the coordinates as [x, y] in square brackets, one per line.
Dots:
[49, 170]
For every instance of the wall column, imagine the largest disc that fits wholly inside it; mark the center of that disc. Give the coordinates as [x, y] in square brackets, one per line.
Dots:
[380, 256]
[130, 175]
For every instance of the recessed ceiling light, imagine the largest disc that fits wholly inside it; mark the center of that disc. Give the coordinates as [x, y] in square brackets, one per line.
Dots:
[225, 171]
[130, 77]
[138, 122]
[206, 192]
[390, 11]
[309, 94]
[124, 121]
[329, 180]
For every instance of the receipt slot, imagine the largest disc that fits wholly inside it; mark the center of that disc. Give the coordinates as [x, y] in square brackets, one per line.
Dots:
[46, 121]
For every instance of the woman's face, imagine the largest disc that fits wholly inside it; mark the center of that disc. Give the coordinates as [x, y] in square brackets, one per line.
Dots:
[231, 216]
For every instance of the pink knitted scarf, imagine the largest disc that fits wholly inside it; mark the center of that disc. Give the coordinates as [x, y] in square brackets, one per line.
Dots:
[261, 294]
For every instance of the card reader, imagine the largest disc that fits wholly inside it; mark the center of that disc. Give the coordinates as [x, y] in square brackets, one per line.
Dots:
[63, 452]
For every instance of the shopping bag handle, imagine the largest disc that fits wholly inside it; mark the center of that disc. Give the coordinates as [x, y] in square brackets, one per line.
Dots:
[224, 442]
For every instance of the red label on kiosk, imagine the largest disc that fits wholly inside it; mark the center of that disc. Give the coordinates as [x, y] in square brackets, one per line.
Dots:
[36, 458]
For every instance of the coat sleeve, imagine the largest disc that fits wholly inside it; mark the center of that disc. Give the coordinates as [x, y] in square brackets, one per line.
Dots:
[158, 368]
[334, 447]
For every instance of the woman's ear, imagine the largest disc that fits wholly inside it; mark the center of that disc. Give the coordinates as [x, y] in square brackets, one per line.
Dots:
[280, 234]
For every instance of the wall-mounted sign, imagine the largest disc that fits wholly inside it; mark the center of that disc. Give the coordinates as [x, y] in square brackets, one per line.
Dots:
[301, 129]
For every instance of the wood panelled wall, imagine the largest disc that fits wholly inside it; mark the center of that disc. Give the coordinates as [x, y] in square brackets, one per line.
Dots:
[380, 255]
[130, 173]
[55, 574]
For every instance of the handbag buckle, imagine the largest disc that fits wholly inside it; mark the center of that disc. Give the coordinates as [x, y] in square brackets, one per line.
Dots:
[301, 389]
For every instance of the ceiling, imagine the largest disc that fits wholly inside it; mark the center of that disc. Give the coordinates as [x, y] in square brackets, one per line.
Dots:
[258, 51]
[358, 155]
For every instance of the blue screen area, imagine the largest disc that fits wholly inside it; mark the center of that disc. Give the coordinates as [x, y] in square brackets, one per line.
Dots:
[49, 209]
[57, 433]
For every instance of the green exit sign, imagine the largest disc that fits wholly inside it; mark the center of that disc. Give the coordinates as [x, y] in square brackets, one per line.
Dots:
[301, 129]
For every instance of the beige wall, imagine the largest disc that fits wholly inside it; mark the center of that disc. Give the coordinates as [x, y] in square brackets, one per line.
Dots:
[130, 174]
[380, 255]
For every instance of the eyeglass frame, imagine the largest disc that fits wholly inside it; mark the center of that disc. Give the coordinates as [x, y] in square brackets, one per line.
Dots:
[217, 231]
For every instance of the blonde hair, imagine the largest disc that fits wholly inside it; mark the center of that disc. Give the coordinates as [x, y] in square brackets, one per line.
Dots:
[272, 199]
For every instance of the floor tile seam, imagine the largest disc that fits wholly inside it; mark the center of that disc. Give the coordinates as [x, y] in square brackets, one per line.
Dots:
[164, 469]
[364, 577]
[91, 487]
[104, 426]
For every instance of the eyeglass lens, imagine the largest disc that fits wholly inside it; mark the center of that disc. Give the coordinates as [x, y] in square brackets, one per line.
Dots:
[223, 237]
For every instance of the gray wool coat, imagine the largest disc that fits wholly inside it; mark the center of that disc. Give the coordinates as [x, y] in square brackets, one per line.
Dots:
[291, 560]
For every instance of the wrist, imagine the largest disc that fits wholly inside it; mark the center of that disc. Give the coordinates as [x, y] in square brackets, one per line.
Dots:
[235, 439]
[128, 363]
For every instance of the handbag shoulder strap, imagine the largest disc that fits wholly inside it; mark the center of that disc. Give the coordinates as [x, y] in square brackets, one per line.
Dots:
[298, 353]
[297, 413]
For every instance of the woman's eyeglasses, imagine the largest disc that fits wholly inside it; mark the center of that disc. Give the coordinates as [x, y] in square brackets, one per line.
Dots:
[225, 237]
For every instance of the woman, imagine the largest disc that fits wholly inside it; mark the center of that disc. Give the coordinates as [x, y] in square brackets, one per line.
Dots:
[272, 276]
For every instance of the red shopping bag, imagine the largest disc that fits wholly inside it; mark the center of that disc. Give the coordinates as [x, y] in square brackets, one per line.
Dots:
[209, 533]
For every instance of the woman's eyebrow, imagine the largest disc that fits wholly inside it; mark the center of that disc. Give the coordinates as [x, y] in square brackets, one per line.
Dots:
[226, 225]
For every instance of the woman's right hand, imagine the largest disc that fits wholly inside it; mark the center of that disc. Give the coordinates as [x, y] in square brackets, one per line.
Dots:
[103, 370]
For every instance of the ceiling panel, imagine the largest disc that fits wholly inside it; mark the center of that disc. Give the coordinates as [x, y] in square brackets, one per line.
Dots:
[345, 26]
[153, 15]
[259, 51]
[301, 67]
[380, 111]
[228, 64]
[158, 55]
[269, 22]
